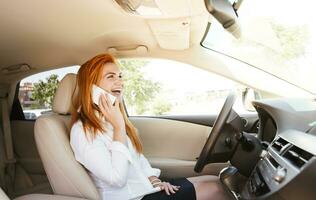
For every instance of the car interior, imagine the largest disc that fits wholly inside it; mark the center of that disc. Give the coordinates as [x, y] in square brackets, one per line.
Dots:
[267, 152]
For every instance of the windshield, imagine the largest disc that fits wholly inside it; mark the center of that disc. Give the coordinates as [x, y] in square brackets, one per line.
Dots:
[277, 37]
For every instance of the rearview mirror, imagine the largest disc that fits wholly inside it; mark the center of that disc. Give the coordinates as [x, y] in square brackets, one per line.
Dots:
[224, 12]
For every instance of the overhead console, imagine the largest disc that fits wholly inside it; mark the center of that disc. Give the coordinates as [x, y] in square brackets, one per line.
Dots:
[286, 169]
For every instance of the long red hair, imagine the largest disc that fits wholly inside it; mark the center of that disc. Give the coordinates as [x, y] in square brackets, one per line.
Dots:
[85, 110]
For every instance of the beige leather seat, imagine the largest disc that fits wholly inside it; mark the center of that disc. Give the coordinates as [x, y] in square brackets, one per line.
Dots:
[3, 196]
[65, 174]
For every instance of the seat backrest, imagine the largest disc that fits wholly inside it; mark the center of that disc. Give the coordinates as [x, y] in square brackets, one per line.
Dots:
[65, 174]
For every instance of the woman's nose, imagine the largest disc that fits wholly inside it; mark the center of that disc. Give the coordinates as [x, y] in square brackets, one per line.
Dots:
[119, 82]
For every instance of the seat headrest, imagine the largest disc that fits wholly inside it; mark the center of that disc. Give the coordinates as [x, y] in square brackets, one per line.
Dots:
[62, 103]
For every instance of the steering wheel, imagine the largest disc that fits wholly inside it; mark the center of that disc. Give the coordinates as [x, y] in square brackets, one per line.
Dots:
[208, 149]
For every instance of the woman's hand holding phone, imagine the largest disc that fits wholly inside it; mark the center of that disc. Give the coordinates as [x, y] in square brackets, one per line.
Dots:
[114, 116]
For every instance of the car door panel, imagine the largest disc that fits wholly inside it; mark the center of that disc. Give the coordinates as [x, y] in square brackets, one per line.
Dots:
[250, 120]
[176, 168]
[173, 146]
[172, 143]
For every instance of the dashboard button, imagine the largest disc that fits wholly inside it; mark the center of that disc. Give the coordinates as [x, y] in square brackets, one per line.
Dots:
[264, 154]
[280, 175]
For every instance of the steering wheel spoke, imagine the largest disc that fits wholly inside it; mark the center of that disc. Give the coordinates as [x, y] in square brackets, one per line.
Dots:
[221, 142]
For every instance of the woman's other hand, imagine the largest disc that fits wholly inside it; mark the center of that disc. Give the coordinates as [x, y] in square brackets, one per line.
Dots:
[168, 188]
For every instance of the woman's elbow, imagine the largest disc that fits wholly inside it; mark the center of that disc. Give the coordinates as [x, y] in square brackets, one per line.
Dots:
[114, 178]
[118, 181]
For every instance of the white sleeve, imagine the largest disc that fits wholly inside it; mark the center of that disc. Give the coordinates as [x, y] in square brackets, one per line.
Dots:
[149, 171]
[110, 164]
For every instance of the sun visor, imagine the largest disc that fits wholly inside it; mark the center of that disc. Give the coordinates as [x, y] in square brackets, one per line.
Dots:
[172, 34]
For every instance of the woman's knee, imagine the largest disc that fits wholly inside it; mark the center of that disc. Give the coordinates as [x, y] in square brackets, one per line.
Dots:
[210, 190]
[218, 191]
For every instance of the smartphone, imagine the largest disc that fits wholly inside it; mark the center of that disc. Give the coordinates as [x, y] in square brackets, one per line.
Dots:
[96, 93]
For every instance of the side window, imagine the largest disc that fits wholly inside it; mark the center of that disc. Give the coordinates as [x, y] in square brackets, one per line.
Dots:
[163, 87]
[36, 92]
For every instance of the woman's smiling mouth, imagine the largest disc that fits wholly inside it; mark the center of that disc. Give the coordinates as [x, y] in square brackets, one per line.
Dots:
[116, 92]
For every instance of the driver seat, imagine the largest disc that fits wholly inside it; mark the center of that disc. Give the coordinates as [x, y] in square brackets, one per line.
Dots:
[65, 174]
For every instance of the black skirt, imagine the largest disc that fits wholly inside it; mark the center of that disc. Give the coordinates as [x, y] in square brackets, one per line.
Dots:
[185, 192]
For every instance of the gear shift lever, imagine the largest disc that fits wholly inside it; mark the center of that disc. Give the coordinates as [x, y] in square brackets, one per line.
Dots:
[233, 180]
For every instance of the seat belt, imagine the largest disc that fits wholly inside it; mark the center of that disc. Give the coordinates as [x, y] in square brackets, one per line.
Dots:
[10, 159]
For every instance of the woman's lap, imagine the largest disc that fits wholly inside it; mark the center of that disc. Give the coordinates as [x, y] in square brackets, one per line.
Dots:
[185, 192]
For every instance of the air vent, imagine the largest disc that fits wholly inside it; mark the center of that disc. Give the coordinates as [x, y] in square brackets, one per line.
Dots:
[297, 156]
[279, 144]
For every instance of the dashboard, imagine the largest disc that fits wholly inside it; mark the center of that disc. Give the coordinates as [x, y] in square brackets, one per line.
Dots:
[287, 167]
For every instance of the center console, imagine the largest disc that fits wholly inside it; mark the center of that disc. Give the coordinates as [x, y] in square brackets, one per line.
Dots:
[284, 171]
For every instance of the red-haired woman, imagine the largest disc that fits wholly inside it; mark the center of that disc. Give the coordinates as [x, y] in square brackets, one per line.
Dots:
[106, 143]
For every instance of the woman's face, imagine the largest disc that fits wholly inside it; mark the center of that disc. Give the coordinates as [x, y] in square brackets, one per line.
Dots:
[111, 80]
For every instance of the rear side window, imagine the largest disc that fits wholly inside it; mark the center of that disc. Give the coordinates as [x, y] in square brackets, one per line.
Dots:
[36, 92]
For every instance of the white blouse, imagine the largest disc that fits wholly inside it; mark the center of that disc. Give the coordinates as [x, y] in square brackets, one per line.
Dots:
[118, 171]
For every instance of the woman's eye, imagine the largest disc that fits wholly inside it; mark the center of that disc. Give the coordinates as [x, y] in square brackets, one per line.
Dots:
[111, 76]
[120, 76]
